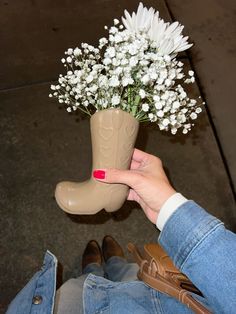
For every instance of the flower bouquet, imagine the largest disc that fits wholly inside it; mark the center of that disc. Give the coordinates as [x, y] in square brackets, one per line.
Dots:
[132, 76]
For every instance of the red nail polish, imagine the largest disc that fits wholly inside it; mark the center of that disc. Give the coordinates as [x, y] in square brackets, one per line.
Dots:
[99, 174]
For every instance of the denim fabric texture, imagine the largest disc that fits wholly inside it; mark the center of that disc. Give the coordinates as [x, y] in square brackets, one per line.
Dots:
[37, 297]
[197, 242]
[205, 251]
[69, 297]
[127, 297]
[118, 269]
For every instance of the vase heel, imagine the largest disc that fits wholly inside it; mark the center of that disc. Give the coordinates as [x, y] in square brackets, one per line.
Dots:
[117, 197]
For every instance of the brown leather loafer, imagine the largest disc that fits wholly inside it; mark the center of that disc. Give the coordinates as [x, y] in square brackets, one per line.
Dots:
[92, 254]
[111, 248]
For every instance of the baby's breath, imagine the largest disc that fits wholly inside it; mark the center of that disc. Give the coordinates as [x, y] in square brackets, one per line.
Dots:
[133, 69]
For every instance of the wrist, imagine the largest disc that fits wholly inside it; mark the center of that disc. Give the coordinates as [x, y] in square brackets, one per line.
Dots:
[168, 208]
[166, 194]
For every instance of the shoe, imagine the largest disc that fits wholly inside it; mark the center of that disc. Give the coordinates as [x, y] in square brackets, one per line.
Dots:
[111, 248]
[92, 254]
[113, 134]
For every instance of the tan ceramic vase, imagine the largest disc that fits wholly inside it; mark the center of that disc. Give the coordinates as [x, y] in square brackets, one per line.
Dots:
[113, 134]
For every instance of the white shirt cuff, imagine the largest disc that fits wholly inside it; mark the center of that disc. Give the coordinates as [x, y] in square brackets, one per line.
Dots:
[169, 207]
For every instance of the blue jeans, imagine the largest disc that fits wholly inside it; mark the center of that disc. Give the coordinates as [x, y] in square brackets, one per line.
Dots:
[69, 297]
[198, 243]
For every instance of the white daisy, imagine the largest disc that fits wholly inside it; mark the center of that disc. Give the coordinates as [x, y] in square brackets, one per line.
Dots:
[140, 21]
[166, 37]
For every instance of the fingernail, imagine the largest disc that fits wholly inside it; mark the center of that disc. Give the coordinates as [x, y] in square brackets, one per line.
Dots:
[99, 174]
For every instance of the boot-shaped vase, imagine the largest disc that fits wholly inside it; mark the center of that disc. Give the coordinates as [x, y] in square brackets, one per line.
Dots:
[113, 135]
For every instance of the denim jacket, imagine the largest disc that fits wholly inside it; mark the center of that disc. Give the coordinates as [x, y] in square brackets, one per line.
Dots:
[200, 247]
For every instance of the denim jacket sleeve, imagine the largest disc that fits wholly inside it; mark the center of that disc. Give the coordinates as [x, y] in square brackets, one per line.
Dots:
[38, 295]
[203, 249]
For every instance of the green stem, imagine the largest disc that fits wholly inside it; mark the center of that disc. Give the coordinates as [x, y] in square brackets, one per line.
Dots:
[129, 97]
[85, 111]
[136, 103]
[144, 120]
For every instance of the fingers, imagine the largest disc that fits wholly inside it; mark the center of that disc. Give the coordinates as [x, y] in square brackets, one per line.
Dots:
[128, 177]
[133, 196]
[134, 165]
[140, 156]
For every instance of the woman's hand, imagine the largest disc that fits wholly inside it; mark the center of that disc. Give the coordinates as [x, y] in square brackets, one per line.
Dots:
[149, 185]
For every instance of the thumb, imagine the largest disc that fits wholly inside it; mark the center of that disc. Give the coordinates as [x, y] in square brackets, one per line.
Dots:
[113, 175]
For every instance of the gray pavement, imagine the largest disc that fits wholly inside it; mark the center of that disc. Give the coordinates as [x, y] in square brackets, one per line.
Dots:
[41, 145]
[211, 24]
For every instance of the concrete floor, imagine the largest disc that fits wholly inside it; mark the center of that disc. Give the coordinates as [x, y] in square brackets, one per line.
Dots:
[212, 28]
[41, 144]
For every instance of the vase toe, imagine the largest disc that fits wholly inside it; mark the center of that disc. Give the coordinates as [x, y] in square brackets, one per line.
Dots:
[78, 198]
[61, 195]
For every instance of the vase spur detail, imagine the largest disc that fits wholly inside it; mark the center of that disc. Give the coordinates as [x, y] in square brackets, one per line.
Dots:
[132, 76]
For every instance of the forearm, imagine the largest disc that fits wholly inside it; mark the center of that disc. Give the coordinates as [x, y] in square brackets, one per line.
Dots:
[205, 251]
